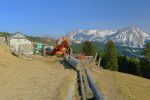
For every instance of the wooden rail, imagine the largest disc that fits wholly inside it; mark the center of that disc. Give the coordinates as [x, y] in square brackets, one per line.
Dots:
[97, 93]
[80, 70]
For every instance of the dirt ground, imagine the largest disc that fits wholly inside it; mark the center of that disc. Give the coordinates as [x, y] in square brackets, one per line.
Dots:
[120, 86]
[49, 78]
[37, 78]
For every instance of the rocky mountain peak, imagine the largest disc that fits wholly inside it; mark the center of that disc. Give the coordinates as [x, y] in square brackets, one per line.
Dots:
[131, 36]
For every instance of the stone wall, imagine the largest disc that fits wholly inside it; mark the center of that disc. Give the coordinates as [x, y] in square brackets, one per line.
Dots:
[3, 40]
[25, 49]
[22, 49]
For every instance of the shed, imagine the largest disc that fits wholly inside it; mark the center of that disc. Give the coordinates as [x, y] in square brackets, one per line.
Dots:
[20, 44]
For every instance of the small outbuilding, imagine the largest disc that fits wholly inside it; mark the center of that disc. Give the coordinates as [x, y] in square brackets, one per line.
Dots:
[20, 44]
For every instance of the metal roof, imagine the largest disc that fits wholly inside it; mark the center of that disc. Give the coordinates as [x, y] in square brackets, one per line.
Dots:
[18, 36]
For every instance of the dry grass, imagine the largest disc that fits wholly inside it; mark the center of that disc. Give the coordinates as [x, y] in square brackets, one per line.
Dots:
[37, 78]
[121, 86]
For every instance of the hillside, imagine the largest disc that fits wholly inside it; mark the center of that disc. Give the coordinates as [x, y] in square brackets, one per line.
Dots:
[44, 40]
[36, 78]
[120, 86]
[121, 50]
[49, 78]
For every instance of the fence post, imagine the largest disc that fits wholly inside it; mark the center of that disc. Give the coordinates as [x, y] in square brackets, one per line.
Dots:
[95, 57]
[71, 51]
[99, 62]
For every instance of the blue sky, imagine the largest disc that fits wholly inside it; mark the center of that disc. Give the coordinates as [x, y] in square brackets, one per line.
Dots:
[57, 17]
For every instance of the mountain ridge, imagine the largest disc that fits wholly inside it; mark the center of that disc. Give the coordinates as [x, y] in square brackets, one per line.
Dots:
[131, 36]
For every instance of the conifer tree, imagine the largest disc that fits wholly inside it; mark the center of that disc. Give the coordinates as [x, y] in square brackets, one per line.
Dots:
[110, 59]
[88, 48]
[145, 62]
[146, 51]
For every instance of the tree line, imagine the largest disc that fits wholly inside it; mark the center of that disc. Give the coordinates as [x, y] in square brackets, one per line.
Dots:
[112, 61]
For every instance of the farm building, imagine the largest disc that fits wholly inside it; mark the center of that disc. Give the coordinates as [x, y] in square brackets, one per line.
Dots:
[20, 44]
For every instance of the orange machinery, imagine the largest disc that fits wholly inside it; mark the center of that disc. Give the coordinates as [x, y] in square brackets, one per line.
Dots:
[62, 47]
[81, 57]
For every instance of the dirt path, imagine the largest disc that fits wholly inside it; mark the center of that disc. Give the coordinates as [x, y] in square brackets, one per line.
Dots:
[38, 78]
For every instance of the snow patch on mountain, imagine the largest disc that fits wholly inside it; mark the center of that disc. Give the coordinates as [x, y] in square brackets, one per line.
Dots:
[90, 35]
[131, 36]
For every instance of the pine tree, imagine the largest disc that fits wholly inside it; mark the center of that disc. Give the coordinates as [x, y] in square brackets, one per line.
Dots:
[145, 67]
[122, 64]
[100, 54]
[88, 48]
[146, 51]
[110, 59]
[145, 61]
[129, 65]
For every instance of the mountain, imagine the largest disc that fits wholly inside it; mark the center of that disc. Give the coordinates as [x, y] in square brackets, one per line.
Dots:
[91, 35]
[131, 36]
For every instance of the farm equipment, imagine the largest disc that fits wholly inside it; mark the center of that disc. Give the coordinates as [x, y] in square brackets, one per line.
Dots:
[38, 48]
[62, 47]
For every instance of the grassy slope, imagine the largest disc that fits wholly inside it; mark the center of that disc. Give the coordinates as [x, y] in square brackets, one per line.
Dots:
[37, 78]
[121, 86]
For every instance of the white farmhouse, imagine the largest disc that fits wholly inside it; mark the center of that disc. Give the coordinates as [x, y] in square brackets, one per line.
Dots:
[20, 45]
